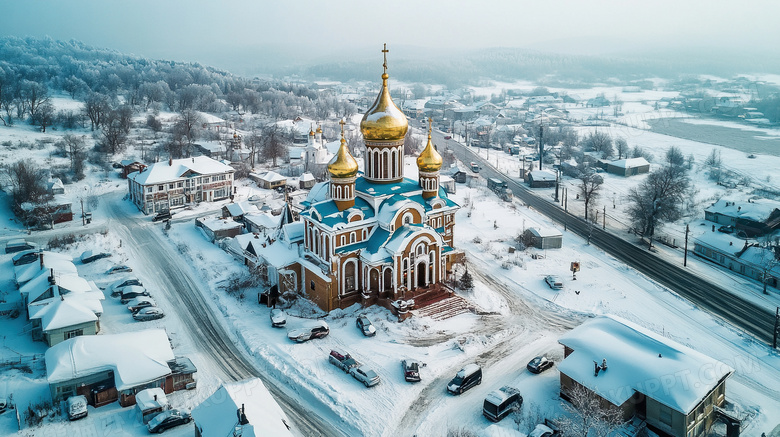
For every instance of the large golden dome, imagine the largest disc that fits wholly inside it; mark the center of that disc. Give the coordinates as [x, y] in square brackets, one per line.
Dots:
[343, 165]
[429, 160]
[384, 121]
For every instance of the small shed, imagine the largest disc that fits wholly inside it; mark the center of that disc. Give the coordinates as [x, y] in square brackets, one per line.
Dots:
[217, 228]
[306, 181]
[56, 186]
[541, 179]
[447, 183]
[150, 402]
[271, 180]
[457, 174]
[629, 167]
[546, 238]
[130, 166]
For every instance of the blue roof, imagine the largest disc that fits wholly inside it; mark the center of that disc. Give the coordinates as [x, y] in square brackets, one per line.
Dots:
[331, 215]
[405, 186]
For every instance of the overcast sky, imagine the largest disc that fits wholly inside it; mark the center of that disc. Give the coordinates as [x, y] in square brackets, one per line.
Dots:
[216, 30]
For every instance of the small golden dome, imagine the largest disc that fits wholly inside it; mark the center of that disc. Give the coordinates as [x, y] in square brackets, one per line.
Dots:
[429, 160]
[319, 129]
[311, 131]
[343, 165]
[384, 121]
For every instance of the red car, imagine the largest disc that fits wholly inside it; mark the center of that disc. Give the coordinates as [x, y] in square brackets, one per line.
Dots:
[448, 137]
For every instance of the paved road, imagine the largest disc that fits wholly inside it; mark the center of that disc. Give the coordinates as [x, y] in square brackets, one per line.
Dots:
[718, 301]
[164, 264]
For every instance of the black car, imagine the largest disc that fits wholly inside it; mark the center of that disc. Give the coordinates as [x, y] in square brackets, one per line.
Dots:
[26, 257]
[539, 364]
[167, 420]
[726, 229]
[162, 215]
[411, 370]
[91, 258]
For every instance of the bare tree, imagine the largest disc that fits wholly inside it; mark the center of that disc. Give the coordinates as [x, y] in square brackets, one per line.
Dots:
[274, 142]
[33, 94]
[589, 186]
[588, 415]
[186, 128]
[621, 146]
[674, 156]
[113, 134]
[96, 106]
[253, 143]
[598, 141]
[74, 148]
[44, 116]
[27, 182]
[412, 144]
[659, 199]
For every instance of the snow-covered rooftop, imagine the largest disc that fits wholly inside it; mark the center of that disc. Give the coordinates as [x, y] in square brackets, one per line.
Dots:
[168, 171]
[273, 176]
[217, 415]
[544, 232]
[639, 360]
[62, 313]
[542, 175]
[136, 358]
[757, 210]
[630, 162]
[151, 398]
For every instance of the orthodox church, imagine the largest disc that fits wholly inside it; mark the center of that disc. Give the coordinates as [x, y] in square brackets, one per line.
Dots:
[374, 237]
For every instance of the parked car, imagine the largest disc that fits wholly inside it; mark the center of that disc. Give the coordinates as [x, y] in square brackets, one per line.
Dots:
[448, 137]
[140, 302]
[278, 318]
[131, 292]
[554, 282]
[317, 329]
[365, 375]
[544, 431]
[119, 269]
[500, 403]
[167, 420]
[342, 360]
[117, 287]
[411, 370]
[88, 257]
[18, 245]
[162, 215]
[365, 326]
[726, 229]
[26, 257]
[148, 313]
[539, 364]
[466, 378]
[474, 167]
[77, 407]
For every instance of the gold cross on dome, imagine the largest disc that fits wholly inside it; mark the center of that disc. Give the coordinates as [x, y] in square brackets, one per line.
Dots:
[384, 53]
[430, 122]
[342, 123]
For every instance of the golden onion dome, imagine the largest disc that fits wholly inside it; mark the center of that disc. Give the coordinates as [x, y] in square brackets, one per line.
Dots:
[319, 129]
[384, 121]
[311, 131]
[429, 160]
[343, 165]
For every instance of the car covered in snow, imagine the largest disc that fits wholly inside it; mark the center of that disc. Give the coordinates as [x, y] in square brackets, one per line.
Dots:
[316, 329]
[88, 257]
[131, 292]
[167, 420]
[18, 245]
[148, 313]
[116, 287]
[342, 360]
[542, 430]
[539, 364]
[140, 302]
[119, 269]
[365, 375]
[77, 407]
[411, 370]
[278, 318]
[365, 326]
[554, 282]
[26, 257]
[502, 402]
[162, 215]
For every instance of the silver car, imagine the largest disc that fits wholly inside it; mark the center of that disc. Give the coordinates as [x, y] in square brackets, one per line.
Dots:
[365, 375]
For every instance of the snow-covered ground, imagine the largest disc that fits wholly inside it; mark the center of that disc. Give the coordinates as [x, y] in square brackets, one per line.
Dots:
[520, 317]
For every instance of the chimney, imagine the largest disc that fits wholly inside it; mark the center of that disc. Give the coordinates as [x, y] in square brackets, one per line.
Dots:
[193, 159]
[739, 208]
[155, 398]
[604, 364]
[41, 257]
[596, 368]
[170, 162]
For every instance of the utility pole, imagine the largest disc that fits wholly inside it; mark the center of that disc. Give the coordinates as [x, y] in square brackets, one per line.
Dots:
[565, 208]
[557, 182]
[541, 144]
[83, 218]
[604, 219]
[685, 255]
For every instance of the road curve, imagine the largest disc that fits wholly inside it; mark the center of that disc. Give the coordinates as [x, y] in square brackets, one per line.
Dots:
[164, 264]
[714, 299]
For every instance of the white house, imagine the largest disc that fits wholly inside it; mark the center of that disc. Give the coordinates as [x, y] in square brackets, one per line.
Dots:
[177, 182]
[243, 408]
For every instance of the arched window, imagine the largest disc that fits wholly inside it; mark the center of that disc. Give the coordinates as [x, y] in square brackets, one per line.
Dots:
[394, 167]
[350, 282]
[376, 164]
[343, 240]
[352, 237]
